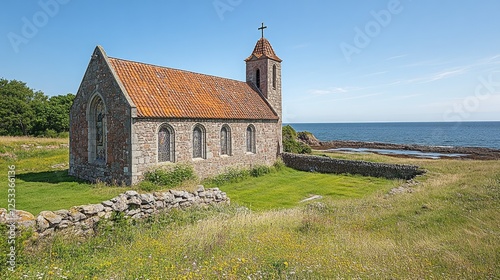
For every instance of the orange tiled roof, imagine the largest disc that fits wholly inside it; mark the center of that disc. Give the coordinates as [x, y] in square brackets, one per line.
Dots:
[161, 92]
[263, 49]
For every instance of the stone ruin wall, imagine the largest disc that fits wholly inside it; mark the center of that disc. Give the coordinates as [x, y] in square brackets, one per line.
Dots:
[82, 220]
[340, 166]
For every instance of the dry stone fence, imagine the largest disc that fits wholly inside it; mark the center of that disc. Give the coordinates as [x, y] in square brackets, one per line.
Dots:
[339, 166]
[82, 220]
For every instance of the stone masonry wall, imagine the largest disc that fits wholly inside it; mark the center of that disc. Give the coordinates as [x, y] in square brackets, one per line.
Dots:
[98, 80]
[339, 166]
[82, 220]
[145, 145]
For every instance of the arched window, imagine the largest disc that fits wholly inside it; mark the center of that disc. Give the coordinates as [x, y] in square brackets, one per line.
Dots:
[257, 78]
[97, 131]
[274, 76]
[166, 143]
[199, 141]
[225, 140]
[251, 139]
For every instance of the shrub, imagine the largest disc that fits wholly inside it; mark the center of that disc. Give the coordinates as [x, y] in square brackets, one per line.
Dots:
[291, 144]
[279, 164]
[232, 175]
[170, 176]
[260, 170]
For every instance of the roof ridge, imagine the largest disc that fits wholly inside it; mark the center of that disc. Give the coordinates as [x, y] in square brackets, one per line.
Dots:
[176, 69]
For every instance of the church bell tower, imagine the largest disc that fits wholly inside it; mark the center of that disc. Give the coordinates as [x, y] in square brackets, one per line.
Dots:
[264, 72]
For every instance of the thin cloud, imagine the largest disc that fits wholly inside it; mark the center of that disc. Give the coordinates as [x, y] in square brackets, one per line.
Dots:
[375, 74]
[336, 90]
[357, 97]
[402, 97]
[447, 74]
[396, 57]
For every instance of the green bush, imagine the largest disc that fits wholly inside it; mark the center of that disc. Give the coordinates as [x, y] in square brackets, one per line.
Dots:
[260, 170]
[291, 144]
[279, 164]
[169, 176]
[234, 175]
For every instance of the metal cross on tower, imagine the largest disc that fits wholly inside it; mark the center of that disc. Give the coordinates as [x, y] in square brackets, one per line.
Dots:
[262, 29]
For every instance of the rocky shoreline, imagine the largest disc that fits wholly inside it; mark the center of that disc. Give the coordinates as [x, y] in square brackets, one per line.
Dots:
[477, 153]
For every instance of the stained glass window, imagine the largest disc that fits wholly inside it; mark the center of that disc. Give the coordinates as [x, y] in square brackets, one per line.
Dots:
[197, 142]
[250, 139]
[165, 144]
[100, 133]
[225, 140]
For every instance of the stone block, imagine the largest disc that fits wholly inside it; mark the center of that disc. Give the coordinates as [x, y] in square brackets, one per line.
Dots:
[51, 217]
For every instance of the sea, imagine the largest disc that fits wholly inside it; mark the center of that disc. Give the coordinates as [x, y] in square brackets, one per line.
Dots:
[451, 134]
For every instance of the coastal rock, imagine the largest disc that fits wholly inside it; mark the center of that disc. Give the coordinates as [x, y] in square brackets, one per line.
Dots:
[308, 139]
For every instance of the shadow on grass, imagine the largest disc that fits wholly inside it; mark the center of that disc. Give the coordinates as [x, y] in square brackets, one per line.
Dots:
[52, 177]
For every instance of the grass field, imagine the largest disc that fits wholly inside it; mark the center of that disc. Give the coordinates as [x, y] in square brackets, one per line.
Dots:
[42, 182]
[447, 228]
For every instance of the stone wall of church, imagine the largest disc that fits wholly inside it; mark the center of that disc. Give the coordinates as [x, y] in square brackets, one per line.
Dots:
[98, 81]
[145, 145]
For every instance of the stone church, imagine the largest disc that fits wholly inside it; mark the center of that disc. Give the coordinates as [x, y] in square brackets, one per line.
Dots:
[129, 117]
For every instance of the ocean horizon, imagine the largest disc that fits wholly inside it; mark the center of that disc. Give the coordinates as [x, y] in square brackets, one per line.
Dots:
[454, 134]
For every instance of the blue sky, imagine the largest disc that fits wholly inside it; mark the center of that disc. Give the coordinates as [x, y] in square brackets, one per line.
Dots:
[343, 61]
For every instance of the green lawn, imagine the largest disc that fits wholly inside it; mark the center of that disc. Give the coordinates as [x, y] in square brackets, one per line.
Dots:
[42, 182]
[286, 188]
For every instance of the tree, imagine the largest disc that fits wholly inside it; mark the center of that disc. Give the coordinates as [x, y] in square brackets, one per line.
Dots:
[16, 112]
[58, 112]
[24, 111]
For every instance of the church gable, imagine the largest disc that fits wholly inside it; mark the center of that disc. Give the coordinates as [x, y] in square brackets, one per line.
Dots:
[100, 125]
[161, 92]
